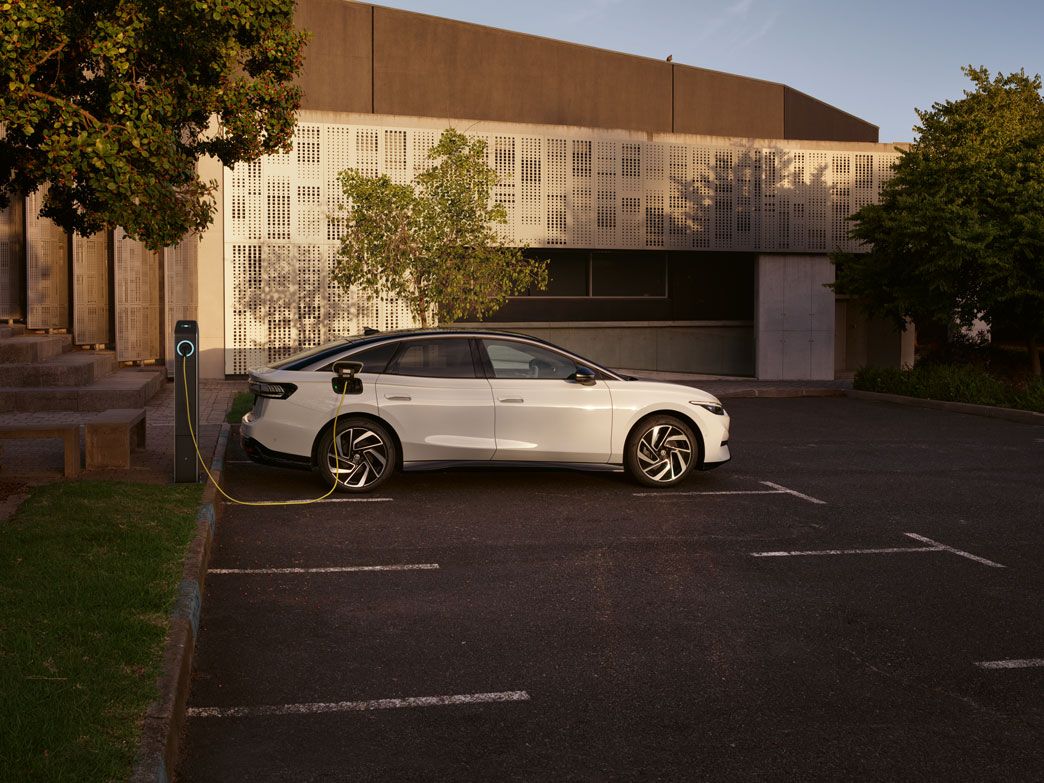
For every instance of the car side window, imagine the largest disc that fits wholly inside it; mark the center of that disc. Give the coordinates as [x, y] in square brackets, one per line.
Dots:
[374, 359]
[511, 359]
[435, 358]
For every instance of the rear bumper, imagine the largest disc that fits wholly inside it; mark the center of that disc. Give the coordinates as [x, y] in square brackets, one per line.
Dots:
[265, 456]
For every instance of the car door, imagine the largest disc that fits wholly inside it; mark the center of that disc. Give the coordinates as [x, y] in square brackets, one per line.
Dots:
[440, 406]
[542, 412]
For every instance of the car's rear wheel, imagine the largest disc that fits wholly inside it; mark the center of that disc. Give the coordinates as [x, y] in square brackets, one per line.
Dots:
[363, 457]
[661, 451]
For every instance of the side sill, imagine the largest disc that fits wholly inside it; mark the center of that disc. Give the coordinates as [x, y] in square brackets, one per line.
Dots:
[594, 467]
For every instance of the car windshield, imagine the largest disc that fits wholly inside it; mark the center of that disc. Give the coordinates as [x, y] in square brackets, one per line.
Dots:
[335, 343]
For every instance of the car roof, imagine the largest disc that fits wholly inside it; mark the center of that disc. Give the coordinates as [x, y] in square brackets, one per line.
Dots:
[375, 337]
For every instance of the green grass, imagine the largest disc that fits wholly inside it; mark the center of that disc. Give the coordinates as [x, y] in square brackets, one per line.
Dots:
[241, 405]
[954, 383]
[88, 575]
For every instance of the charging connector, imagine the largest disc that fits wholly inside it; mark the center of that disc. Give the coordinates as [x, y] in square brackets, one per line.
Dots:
[347, 381]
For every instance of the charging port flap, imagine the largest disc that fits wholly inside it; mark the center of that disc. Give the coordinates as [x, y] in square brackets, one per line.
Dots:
[344, 380]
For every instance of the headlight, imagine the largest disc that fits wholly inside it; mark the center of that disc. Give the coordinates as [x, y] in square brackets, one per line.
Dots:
[273, 391]
[713, 407]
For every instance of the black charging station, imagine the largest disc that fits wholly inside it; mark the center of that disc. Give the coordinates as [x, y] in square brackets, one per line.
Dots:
[186, 373]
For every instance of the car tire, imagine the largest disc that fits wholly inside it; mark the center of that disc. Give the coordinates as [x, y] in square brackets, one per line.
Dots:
[367, 450]
[661, 451]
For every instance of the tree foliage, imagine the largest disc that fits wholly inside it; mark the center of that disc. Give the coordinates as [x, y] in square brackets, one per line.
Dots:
[959, 230]
[111, 102]
[433, 242]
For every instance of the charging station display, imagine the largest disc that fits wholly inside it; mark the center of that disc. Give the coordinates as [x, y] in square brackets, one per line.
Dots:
[186, 401]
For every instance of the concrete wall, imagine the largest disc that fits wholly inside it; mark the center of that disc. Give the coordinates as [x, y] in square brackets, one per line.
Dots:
[721, 104]
[806, 117]
[795, 318]
[711, 347]
[365, 58]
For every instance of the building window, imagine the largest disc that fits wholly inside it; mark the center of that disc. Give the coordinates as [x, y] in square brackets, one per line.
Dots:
[603, 273]
[629, 274]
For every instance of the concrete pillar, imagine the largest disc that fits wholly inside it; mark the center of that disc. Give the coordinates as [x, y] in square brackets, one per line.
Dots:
[210, 270]
[795, 318]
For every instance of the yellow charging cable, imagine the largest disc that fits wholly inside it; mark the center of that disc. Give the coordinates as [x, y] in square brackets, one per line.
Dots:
[228, 497]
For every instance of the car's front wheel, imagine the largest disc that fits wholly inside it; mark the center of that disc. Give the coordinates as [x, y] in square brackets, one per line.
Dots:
[363, 457]
[661, 451]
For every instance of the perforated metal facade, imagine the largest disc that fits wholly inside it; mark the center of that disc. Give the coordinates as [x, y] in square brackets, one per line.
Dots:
[138, 297]
[91, 289]
[12, 259]
[180, 289]
[47, 269]
[281, 226]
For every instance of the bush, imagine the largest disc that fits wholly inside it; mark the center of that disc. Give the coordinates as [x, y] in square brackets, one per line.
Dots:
[954, 383]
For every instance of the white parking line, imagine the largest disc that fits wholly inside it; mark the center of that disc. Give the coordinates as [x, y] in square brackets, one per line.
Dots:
[355, 500]
[777, 489]
[935, 546]
[960, 552]
[896, 550]
[1015, 663]
[796, 494]
[719, 492]
[316, 708]
[328, 570]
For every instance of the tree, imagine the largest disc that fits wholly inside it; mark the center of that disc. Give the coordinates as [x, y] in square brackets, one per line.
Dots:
[959, 231]
[111, 102]
[432, 243]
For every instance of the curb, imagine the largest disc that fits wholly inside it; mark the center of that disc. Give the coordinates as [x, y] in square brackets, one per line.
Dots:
[160, 738]
[782, 391]
[989, 411]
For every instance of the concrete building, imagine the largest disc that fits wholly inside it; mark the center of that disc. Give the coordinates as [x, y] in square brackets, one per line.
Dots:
[687, 213]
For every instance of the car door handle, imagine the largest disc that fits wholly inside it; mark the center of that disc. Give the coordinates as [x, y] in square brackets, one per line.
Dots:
[511, 399]
[397, 397]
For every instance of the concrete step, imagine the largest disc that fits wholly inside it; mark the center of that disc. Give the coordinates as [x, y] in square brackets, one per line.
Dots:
[11, 330]
[76, 368]
[126, 388]
[28, 348]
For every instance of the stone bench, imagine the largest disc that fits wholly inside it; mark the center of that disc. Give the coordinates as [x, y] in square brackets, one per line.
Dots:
[69, 434]
[112, 434]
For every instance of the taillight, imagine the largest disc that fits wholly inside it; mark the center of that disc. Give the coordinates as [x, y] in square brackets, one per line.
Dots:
[273, 391]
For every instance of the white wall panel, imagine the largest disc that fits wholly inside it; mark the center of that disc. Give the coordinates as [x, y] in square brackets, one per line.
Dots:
[569, 188]
[47, 268]
[12, 259]
[138, 309]
[91, 289]
[180, 290]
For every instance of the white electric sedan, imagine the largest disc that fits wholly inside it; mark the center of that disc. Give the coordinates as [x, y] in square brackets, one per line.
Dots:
[423, 399]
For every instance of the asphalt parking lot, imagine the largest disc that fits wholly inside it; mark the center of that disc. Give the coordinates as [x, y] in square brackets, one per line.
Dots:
[859, 594]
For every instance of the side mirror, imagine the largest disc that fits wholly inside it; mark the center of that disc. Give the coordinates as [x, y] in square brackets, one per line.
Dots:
[345, 382]
[585, 376]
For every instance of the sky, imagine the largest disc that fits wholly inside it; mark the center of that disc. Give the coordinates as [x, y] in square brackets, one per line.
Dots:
[877, 60]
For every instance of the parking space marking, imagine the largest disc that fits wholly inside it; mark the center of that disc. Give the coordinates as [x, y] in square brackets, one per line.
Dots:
[777, 489]
[781, 488]
[316, 708]
[934, 546]
[1014, 663]
[951, 550]
[895, 550]
[355, 500]
[327, 570]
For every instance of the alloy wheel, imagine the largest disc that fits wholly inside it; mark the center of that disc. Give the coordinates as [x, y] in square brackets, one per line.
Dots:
[664, 453]
[358, 457]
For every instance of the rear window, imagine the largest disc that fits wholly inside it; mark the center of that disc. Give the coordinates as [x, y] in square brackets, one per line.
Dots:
[306, 357]
[374, 359]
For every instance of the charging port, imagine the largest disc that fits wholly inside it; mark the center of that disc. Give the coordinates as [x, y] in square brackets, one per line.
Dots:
[344, 381]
